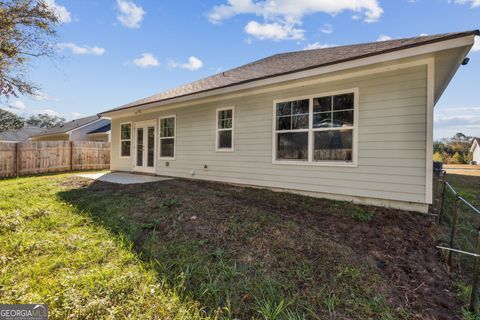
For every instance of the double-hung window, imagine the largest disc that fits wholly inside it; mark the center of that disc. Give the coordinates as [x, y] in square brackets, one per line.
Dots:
[167, 137]
[125, 139]
[225, 129]
[318, 129]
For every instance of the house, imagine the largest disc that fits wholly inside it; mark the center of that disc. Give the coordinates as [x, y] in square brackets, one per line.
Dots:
[475, 150]
[90, 128]
[20, 135]
[350, 123]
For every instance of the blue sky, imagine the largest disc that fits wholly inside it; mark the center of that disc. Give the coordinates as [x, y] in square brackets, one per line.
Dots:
[112, 52]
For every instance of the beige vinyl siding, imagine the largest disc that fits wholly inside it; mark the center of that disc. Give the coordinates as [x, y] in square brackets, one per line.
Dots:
[391, 141]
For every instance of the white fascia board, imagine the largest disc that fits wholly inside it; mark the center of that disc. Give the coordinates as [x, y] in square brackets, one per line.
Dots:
[381, 58]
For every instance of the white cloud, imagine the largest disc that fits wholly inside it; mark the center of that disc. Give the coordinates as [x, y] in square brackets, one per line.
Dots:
[273, 31]
[193, 64]
[472, 3]
[450, 120]
[61, 12]
[41, 96]
[281, 18]
[50, 112]
[18, 105]
[97, 51]
[423, 34]
[147, 60]
[384, 37]
[130, 15]
[476, 45]
[327, 28]
[318, 45]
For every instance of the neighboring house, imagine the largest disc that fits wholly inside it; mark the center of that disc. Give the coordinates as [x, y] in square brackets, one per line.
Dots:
[100, 134]
[351, 123]
[77, 130]
[20, 135]
[475, 150]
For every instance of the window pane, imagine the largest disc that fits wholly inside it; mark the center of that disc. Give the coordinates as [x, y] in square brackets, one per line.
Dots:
[225, 139]
[125, 148]
[167, 148]
[343, 118]
[322, 104]
[224, 124]
[343, 101]
[300, 122]
[333, 145]
[322, 120]
[284, 123]
[292, 146]
[300, 107]
[125, 131]
[225, 114]
[284, 108]
[167, 127]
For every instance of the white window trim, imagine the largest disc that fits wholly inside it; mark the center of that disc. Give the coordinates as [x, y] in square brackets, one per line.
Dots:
[174, 116]
[311, 130]
[217, 130]
[121, 140]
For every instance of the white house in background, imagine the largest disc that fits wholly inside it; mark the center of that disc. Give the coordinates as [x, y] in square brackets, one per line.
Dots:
[351, 123]
[475, 150]
[91, 128]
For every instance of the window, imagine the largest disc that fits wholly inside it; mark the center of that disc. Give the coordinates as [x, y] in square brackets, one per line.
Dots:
[167, 137]
[317, 129]
[224, 133]
[125, 139]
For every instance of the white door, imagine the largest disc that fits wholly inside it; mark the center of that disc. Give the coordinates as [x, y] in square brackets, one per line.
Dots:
[144, 135]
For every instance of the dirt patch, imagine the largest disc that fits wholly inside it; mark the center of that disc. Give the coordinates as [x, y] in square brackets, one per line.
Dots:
[332, 258]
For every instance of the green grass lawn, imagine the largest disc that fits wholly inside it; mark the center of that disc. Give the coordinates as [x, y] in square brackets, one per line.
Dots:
[184, 249]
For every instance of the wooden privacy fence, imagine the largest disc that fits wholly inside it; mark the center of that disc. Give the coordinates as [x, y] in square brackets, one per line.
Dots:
[33, 157]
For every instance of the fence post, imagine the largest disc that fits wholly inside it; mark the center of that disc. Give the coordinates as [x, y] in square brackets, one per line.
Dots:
[71, 155]
[453, 231]
[17, 160]
[442, 199]
[474, 294]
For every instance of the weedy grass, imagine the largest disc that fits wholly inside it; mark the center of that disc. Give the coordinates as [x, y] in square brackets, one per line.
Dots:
[51, 252]
[172, 250]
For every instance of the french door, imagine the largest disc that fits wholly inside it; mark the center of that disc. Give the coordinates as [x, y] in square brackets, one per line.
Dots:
[145, 134]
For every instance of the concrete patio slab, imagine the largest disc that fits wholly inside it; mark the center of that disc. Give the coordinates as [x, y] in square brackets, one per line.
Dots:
[121, 177]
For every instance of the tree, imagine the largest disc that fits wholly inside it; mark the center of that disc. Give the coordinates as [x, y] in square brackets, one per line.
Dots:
[10, 121]
[437, 157]
[44, 120]
[27, 30]
[458, 158]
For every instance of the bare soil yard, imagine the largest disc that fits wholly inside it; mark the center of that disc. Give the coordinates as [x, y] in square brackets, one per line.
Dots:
[319, 257]
[185, 249]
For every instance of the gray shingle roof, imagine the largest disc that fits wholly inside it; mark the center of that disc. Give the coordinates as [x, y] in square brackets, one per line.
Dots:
[21, 134]
[285, 63]
[68, 126]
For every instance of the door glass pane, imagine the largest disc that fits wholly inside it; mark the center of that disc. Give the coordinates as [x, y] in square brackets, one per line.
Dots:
[150, 146]
[140, 147]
